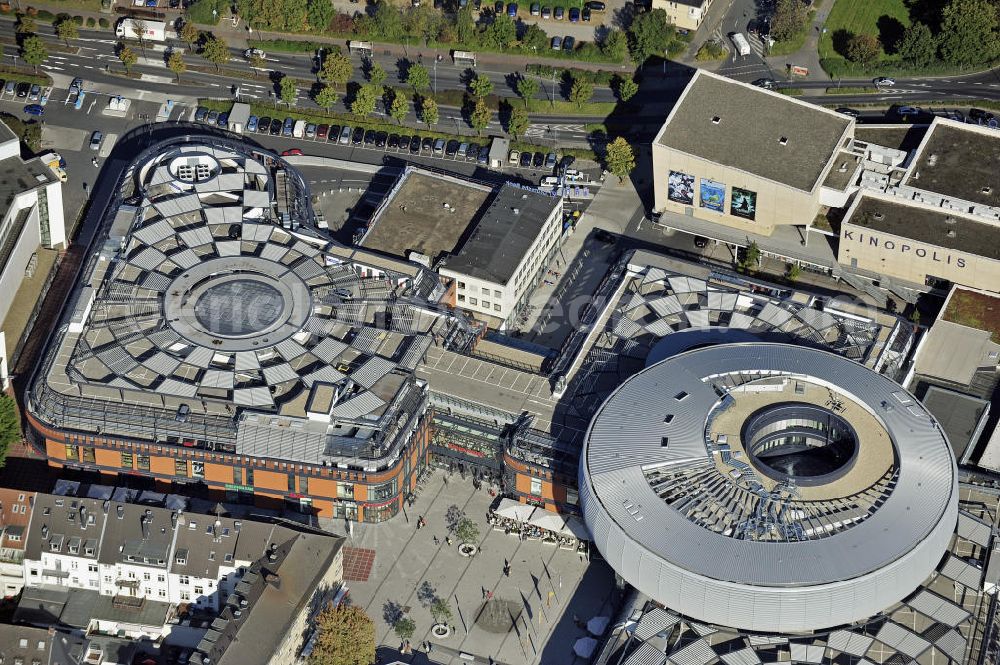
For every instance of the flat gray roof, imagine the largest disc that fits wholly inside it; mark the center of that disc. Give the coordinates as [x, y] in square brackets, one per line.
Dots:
[504, 233]
[933, 226]
[751, 124]
[415, 217]
[960, 161]
[905, 137]
[958, 414]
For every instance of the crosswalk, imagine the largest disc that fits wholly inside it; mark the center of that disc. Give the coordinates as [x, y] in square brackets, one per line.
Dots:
[536, 130]
[756, 43]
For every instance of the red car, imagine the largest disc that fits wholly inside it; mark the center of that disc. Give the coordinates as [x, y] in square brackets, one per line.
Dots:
[292, 152]
[322, 131]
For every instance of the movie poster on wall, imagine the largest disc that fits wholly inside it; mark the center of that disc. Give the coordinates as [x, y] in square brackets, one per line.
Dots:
[680, 187]
[713, 195]
[744, 204]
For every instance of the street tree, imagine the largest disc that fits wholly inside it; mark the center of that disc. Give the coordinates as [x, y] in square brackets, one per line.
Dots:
[481, 86]
[422, 22]
[480, 116]
[794, 272]
[788, 19]
[326, 97]
[467, 531]
[918, 47]
[67, 29]
[345, 636]
[387, 20]
[534, 38]
[376, 74]
[216, 51]
[26, 25]
[501, 33]
[527, 88]
[365, 99]
[620, 159]
[10, 426]
[429, 112]
[465, 26]
[128, 57]
[441, 610]
[319, 14]
[287, 90]
[139, 32]
[627, 87]
[615, 45]
[650, 34]
[189, 33]
[176, 64]
[580, 92]
[969, 32]
[517, 122]
[400, 108]
[864, 49]
[405, 628]
[257, 62]
[337, 69]
[417, 77]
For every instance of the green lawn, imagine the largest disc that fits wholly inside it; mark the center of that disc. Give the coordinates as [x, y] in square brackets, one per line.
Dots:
[862, 16]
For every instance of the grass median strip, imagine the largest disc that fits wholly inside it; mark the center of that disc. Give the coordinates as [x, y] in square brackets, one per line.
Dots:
[852, 90]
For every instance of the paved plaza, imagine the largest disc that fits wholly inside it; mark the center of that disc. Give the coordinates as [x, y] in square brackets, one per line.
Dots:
[531, 617]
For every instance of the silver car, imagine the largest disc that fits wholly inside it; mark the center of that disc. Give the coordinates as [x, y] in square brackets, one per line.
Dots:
[345, 135]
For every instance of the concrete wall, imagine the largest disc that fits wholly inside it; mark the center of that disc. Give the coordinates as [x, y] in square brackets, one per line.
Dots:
[776, 204]
[913, 261]
[27, 244]
[684, 16]
[57, 217]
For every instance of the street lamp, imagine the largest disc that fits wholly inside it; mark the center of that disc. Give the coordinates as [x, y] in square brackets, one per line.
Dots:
[435, 76]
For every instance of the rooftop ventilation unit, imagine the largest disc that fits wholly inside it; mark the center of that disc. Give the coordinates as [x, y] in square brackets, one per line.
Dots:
[783, 140]
[716, 119]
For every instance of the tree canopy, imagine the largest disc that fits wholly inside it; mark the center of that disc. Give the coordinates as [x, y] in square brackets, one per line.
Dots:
[517, 122]
[864, 49]
[287, 90]
[417, 77]
[527, 88]
[918, 46]
[337, 68]
[365, 99]
[346, 636]
[620, 159]
[429, 112]
[326, 97]
[33, 51]
[176, 64]
[480, 116]
[650, 34]
[788, 19]
[969, 32]
[216, 51]
[580, 92]
[481, 86]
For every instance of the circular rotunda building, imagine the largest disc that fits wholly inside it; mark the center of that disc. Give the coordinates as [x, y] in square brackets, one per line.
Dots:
[769, 487]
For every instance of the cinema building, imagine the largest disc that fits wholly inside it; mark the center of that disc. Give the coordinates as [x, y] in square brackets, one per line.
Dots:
[217, 341]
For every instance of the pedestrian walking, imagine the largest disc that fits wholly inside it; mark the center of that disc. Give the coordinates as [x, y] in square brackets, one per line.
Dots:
[448, 540]
[489, 595]
[430, 647]
[436, 541]
[483, 589]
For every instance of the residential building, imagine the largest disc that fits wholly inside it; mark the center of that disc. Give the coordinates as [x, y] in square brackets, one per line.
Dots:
[15, 514]
[32, 217]
[684, 14]
[40, 646]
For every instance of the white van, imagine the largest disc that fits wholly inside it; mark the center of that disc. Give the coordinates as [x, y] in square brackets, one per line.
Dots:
[299, 130]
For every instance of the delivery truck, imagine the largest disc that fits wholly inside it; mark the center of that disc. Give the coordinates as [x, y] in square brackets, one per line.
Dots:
[154, 31]
[740, 42]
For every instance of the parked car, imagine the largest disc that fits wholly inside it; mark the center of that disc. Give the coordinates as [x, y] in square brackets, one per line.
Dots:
[568, 43]
[393, 141]
[585, 14]
[550, 160]
[556, 43]
[484, 155]
[287, 126]
[311, 130]
[35, 92]
[439, 147]
[498, 7]
[538, 159]
[199, 114]
[560, 13]
[358, 136]
[22, 89]
[854, 113]
[34, 109]
[766, 83]
[224, 119]
[536, 9]
[76, 85]
[263, 124]
[512, 10]
[526, 158]
[253, 52]
[212, 118]
[515, 156]
[345, 135]
[595, 6]
[252, 124]
[95, 139]
[322, 131]
[452, 148]
[370, 137]
[463, 150]
[415, 145]
[291, 152]
[380, 139]
[10, 87]
[574, 15]
[701, 242]
[546, 12]
[275, 128]
[566, 162]
[908, 110]
[979, 115]
[884, 81]
[428, 144]
[472, 152]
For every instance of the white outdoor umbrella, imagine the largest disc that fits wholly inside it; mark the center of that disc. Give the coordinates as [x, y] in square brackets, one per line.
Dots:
[584, 647]
[597, 625]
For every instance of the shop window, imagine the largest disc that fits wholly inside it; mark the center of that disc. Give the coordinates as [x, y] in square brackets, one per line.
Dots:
[291, 483]
[572, 496]
[142, 462]
[345, 491]
[536, 486]
[383, 491]
[198, 469]
[381, 513]
[237, 475]
[89, 455]
[126, 460]
[250, 477]
[180, 467]
[72, 452]
[304, 485]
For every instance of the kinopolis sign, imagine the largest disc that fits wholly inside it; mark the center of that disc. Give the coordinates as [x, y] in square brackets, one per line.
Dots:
[902, 246]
